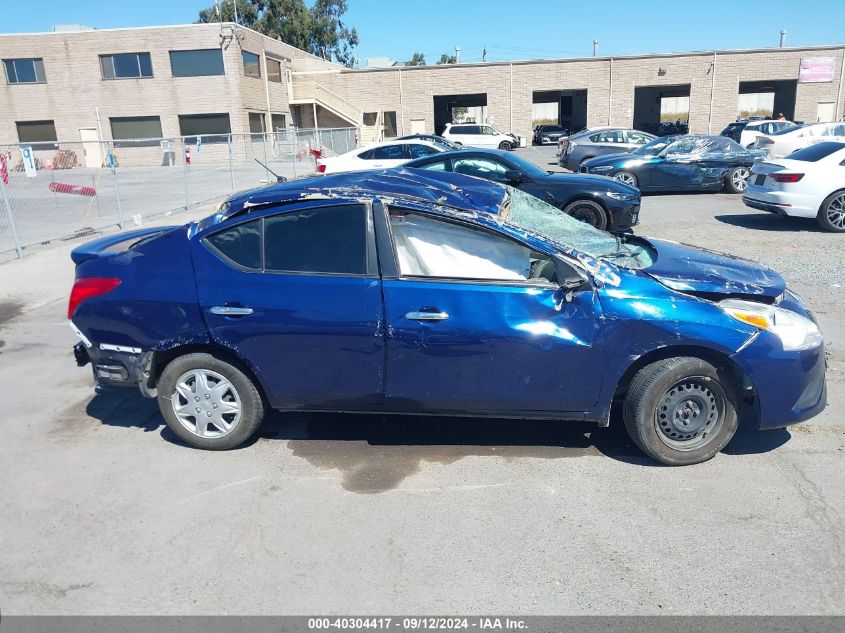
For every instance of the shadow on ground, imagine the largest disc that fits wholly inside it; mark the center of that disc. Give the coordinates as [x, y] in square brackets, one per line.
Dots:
[375, 453]
[770, 222]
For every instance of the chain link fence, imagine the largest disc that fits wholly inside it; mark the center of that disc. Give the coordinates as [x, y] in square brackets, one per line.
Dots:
[53, 192]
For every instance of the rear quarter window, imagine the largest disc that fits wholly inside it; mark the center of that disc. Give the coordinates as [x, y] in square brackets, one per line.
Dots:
[240, 244]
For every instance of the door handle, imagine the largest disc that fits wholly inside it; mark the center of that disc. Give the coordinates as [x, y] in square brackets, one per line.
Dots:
[230, 311]
[426, 316]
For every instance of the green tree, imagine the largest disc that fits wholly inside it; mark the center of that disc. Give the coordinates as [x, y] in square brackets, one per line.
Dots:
[446, 58]
[417, 59]
[319, 30]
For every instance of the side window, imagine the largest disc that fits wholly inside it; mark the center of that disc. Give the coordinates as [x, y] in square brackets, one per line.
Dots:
[418, 151]
[439, 165]
[638, 138]
[457, 129]
[488, 131]
[240, 244]
[594, 138]
[480, 168]
[429, 247]
[614, 136]
[366, 155]
[322, 240]
[472, 129]
[389, 152]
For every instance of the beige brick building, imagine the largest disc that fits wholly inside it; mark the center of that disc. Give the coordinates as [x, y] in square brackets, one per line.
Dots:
[110, 84]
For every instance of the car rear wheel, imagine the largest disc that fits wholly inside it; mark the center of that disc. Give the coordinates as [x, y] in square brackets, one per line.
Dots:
[505, 146]
[627, 177]
[209, 403]
[832, 213]
[737, 179]
[681, 411]
[587, 211]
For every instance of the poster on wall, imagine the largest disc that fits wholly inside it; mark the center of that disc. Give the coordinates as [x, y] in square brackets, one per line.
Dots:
[816, 70]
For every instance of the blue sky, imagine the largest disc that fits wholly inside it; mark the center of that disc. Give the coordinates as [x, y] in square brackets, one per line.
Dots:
[554, 28]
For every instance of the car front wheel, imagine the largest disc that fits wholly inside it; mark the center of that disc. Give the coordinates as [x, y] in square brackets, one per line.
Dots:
[505, 146]
[627, 177]
[208, 402]
[832, 213]
[681, 411]
[737, 179]
[587, 211]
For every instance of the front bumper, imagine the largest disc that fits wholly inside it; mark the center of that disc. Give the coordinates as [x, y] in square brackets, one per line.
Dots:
[790, 387]
[623, 216]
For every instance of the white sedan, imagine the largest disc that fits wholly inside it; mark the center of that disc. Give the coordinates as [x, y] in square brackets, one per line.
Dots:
[783, 143]
[809, 183]
[378, 156]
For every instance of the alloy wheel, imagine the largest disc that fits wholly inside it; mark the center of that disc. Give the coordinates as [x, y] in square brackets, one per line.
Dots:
[836, 212]
[739, 178]
[627, 178]
[206, 403]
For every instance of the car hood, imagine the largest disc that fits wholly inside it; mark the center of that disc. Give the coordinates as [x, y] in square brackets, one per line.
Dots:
[699, 271]
[588, 182]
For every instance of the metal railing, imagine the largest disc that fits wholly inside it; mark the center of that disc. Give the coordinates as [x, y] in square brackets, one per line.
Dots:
[59, 191]
[310, 91]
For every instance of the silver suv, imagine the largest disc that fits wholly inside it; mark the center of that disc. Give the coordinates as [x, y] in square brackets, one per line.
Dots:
[575, 149]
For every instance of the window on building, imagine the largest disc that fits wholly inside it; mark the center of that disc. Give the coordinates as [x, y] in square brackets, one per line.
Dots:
[279, 121]
[126, 66]
[274, 70]
[370, 118]
[252, 64]
[135, 131]
[323, 240]
[214, 128]
[197, 63]
[390, 125]
[25, 71]
[256, 123]
[36, 131]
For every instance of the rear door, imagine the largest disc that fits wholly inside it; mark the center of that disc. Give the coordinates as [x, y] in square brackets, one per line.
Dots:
[476, 324]
[297, 296]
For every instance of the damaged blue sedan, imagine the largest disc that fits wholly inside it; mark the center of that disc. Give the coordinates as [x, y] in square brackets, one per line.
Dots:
[410, 291]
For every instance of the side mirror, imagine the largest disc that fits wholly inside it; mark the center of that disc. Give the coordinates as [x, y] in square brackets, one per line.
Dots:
[515, 176]
[570, 278]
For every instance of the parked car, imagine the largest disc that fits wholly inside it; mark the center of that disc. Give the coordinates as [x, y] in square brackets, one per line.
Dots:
[809, 183]
[783, 143]
[585, 145]
[747, 131]
[548, 134]
[378, 156]
[432, 138]
[694, 162]
[353, 292]
[601, 202]
[480, 135]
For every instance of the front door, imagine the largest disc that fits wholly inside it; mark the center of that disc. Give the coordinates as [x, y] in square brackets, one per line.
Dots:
[477, 325]
[91, 147]
[297, 296]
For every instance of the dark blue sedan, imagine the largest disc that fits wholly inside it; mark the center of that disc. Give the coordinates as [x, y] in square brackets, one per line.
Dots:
[431, 293]
[694, 162]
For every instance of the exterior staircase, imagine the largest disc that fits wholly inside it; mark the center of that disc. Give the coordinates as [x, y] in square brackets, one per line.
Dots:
[310, 92]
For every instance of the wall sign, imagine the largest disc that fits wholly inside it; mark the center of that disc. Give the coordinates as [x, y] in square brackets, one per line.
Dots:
[815, 70]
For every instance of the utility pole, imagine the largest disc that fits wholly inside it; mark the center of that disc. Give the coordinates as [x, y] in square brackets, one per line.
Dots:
[457, 54]
[595, 47]
[782, 38]
[235, 6]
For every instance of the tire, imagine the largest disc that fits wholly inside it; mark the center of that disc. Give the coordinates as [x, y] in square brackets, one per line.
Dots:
[504, 145]
[831, 215]
[737, 179]
[627, 177]
[587, 211]
[584, 160]
[681, 411]
[233, 412]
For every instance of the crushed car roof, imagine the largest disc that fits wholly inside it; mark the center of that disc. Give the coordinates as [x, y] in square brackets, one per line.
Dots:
[443, 188]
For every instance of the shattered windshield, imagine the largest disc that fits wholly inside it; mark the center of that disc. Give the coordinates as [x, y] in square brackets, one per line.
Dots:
[654, 146]
[530, 213]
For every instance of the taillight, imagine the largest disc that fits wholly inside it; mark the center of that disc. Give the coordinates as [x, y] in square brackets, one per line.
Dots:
[321, 168]
[786, 177]
[87, 288]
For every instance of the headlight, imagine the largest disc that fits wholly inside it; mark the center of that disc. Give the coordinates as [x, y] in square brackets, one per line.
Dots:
[624, 197]
[601, 168]
[795, 332]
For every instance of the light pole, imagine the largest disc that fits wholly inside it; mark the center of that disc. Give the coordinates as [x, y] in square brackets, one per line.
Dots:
[595, 47]
[782, 38]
